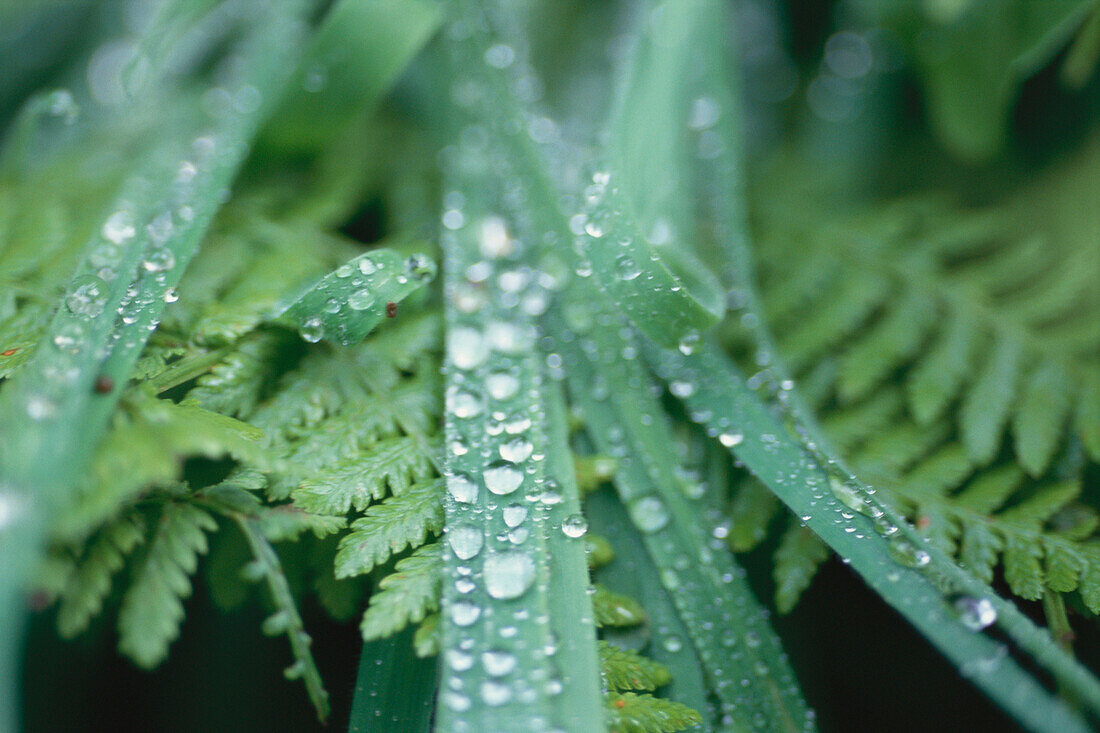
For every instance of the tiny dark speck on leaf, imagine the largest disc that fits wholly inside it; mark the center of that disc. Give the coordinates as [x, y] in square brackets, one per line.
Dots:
[9, 352]
[391, 309]
[103, 385]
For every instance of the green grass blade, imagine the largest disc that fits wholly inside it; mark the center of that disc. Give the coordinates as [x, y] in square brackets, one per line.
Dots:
[395, 689]
[890, 558]
[346, 304]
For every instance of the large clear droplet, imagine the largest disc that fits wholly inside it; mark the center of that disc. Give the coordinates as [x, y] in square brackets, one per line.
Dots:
[516, 451]
[975, 613]
[462, 489]
[498, 663]
[88, 296]
[360, 300]
[466, 540]
[502, 479]
[466, 347]
[312, 330]
[575, 525]
[508, 574]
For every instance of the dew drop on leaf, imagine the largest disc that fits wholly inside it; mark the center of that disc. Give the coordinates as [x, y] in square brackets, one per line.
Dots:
[502, 479]
[574, 526]
[312, 330]
[508, 574]
[975, 613]
[466, 540]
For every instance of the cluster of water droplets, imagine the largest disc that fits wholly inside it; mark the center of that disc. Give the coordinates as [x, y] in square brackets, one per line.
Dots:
[500, 500]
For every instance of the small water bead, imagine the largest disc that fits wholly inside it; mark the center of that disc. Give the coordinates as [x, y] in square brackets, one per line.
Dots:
[509, 338]
[171, 295]
[453, 219]
[465, 613]
[360, 300]
[508, 574]
[458, 660]
[119, 227]
[518, 535]
[494, 241]
[456, 701]
[681, 389]
[465, 586]
[575, 525]
[466, 540]
[550, 496]
[462, 489]
[40, 407]
[730, 439]
[649, 513]
[344, 271]
[312, 330]
[975, 613]
[466, 347]
[514, 514]
[88, 296]
[69, 337]
[672, 643]
[498, 663]
[469, 298]
[626, 268]
[502, 479]
[495, 694]
[158, 259]
[516, 451]
[465, 405]
[906, 553]
[502, 385]
[688, 344]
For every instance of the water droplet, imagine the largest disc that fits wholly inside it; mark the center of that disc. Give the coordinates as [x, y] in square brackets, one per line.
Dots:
[514, 514]
[626, 268]
[171, 295]
[975, 613]
[498, 663]
[649, 513]
[119, 227]
[688, 344]
[575, 525]
[508, 574]
[501, 385]
[459, 660]
[367, 266]
[672, 643]
[466, 347]
[158, 259]
[420, 267]
[502, 479]
[466, 540]
[681, 389]
[360, 300]
[465, 613]
[730, 439]
[462, 489]
[516, 451]
[495, 693]
[88, 296]
[906, 553]
[465, 405]
[494, 241]
[312, 330]
[68, 337]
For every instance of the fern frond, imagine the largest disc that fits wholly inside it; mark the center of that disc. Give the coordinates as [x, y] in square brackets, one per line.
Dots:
[405, 596]
[624, 669]
[629, 712]
[403, 520]
[615, 609]
[152, 608]
[82, 596]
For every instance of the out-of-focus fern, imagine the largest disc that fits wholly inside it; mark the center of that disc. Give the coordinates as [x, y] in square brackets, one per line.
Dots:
[989, 315]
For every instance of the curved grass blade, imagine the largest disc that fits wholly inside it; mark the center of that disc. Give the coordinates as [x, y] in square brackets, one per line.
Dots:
[395, 689]
[632, 573]
[500, 671]
[51, 418]
[880, 547]
[742, 658]
[571, 615]
[721, 177]
[630, 238]
[346, 304]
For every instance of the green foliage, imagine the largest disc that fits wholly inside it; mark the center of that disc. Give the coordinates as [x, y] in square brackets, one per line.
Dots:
[406, 595]
[152, 608]
[938, 348]
[629, 712]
